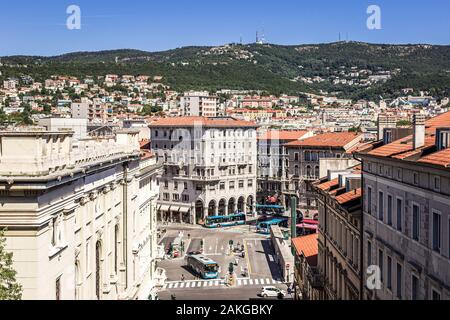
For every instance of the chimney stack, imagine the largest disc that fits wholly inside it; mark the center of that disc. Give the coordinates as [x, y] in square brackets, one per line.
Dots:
[418, 131]
[384, 122]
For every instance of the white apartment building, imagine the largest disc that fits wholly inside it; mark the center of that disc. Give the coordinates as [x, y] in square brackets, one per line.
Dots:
[209, 167]
[94, 111]
[199, 104]
[406, 213]
[273, 164]
[80, 216]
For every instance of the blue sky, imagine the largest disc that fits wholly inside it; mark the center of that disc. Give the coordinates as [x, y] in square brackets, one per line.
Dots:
[39, 27]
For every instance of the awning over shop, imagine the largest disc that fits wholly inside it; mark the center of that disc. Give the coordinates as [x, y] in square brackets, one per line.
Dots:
[184, 209]
[164, 207]
[174, 208]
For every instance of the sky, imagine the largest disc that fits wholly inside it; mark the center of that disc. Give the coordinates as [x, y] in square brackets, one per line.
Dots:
[39, 27]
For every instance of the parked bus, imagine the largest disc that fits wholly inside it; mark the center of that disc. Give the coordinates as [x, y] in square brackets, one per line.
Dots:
[264, 226]
[225, 221]
[203, 266]
[273, 210]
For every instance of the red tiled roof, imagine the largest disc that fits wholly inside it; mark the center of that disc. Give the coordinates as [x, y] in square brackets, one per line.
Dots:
[349, 196]
[440, 158]
[202, 121]
[332, 139]
[282, 135]
[403, 148]
[307, 246]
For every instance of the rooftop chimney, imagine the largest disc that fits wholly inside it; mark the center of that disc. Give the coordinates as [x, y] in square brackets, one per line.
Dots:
[418, 131]
[384, 122]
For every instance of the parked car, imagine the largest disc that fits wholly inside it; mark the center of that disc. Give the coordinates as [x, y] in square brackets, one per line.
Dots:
[271, 291]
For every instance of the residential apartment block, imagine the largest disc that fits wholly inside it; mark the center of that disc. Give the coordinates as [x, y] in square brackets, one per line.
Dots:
[199, 104]
[209, 167]
[273, 164]
[311, 158]
[406, 213]
[339, 239]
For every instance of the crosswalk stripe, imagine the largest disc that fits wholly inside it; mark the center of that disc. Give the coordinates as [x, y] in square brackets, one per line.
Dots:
[188, 284]
[239, 282]
[245, 282]
[250, 281]
[216, 283]
[182, 285]
[176, 285]
[274, 281]
[205, 283]
[210, 283]
[256, 281]
[268, 281]
[170, 285]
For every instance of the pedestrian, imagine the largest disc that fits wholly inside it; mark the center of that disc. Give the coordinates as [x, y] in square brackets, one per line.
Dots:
[182, 277]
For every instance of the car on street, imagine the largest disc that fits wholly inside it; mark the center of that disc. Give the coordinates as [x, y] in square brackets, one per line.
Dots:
[271, 291]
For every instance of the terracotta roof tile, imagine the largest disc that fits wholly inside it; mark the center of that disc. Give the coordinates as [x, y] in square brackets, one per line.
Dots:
[349, 196]
[202, 121]
[333, 139]
[306, 245]
[327, 185]
[282, 135]
[440, 158]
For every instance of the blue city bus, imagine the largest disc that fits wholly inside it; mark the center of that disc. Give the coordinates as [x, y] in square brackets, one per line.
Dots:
[203, 266]
[264, 226]
[274, 210]
[225, 221]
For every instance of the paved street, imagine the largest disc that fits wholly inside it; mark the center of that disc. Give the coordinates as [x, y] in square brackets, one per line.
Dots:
[259, 261]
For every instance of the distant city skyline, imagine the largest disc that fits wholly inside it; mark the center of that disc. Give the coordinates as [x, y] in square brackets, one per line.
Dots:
[36, 28]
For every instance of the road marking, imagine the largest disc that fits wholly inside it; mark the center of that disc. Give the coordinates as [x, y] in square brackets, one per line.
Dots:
[188, 284]
[249, 267]
[210, 283]
[239, 282]
[216, 283]
[250, 281]
[182, 285]
[256, 281]
[271, 258]
[245, 282]
[176, 285]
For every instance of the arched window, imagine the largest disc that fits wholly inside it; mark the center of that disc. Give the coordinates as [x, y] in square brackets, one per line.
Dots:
[296, 171]
[316, 172]
[308, 171]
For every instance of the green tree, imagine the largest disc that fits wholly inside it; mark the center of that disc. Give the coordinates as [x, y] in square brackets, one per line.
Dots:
[9, 288]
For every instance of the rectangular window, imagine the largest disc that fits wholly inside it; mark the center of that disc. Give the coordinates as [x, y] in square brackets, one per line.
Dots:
[415, 222]
[222, 186]
[399, 214]
[369, 253]
[241, 183]
[369, 200]
[380, 264]
[414, 287]
[381, 206]
[436, 232]
[231, 185]
[435, 295]
[399, 281]
[389, 209]
[389, 273]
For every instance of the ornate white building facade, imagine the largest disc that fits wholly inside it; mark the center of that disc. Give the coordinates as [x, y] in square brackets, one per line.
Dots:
[80, 215]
